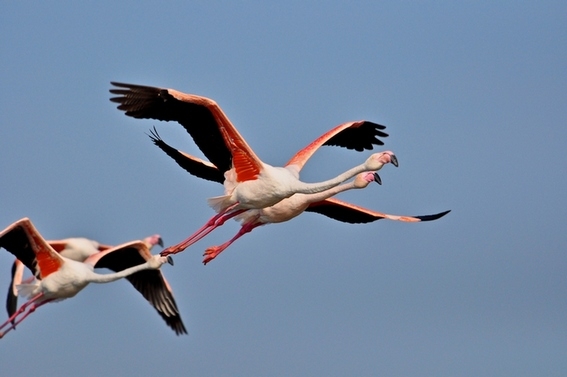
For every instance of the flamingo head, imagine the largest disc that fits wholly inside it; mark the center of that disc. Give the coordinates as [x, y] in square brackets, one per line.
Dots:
[377, 160]
[153, 240]
[364, 179]
[156, 261]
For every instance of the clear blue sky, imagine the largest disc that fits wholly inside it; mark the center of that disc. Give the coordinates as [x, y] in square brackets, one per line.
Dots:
[474, 98]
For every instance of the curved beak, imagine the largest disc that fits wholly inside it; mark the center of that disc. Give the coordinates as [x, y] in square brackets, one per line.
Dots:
[394, 160]
[170, 260]
[377, 179]
[160, 242]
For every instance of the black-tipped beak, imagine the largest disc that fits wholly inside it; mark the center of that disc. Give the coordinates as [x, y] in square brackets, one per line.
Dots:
[160, 242]
[394, 160]
[170, 260]
[377, 179]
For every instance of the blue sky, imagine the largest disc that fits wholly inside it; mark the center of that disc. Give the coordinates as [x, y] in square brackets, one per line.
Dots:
[474, 97]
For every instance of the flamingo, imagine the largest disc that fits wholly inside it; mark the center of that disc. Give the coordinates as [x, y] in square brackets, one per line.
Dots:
[77, 249]
[293, 206]
[59, 277]
[249, 182]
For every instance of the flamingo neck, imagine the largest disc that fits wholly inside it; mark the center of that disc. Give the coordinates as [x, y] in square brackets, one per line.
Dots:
[314, 188]
[107, 278]
[312, 198]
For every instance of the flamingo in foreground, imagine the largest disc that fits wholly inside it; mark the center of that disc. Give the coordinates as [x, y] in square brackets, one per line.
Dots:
[79, 249]
[293, 206]
[249, 182]
[59, 278]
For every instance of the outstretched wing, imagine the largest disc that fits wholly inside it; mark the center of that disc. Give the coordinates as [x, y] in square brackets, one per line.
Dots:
[24, 241]
[194, 165]
[16, 278]
[205, 121]
[200, 116]
[359, 135]
[150, 283]
[349, 213]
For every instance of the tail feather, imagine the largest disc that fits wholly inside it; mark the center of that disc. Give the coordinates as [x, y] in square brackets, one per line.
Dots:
[27, 290]
[218, 203]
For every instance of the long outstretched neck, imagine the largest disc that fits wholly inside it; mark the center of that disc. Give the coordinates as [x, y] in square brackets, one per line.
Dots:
[313, 188]
[107, 278]
[373, 163]
[318, 196]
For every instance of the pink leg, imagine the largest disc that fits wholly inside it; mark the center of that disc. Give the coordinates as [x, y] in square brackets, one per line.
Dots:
[213, 223]
[21, 309]
[213, 251]
[32, 306]
[32, 309]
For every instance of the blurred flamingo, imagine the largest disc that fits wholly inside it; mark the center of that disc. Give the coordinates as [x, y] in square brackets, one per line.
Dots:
[58, 277]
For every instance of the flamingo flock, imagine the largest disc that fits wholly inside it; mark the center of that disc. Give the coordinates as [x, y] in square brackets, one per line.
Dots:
[255, 194]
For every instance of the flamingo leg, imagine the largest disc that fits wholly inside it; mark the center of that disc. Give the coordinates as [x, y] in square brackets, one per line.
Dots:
[21, 310]
[213, 223]
[213, 251]
[32, 307]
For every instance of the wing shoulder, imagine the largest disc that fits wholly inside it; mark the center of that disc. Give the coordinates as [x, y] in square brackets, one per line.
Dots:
[24, 241]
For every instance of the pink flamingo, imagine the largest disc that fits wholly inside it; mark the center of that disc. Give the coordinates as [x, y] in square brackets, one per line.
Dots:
[58, 277]
[79, 249]
[293, 206]
[249, 182]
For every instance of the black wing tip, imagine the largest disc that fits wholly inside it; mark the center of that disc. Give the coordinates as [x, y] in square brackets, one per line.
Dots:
[11, 299]
[122, 84]
[116, 99]
[361, 135]
[180, 329]
[432, 217]
[119, 87]
[174, 321]
[154, 136]
[372, 124]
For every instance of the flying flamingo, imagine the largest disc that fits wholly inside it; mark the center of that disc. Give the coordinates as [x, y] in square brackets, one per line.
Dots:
[79, 249]
[59, 278]
[293, 206]
[249, 182]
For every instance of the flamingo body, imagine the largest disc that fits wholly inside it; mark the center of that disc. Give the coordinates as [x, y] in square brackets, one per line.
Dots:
[75, 248]
[59, 277]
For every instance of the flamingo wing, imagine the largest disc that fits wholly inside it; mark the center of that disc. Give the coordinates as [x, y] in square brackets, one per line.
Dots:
[58, 245]
[194, 165]
[150, 283]
[24, 241]
[61, 245]
[17, 274]
[205, 121]
[198, 115]
[349, 213]
[358, 135]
